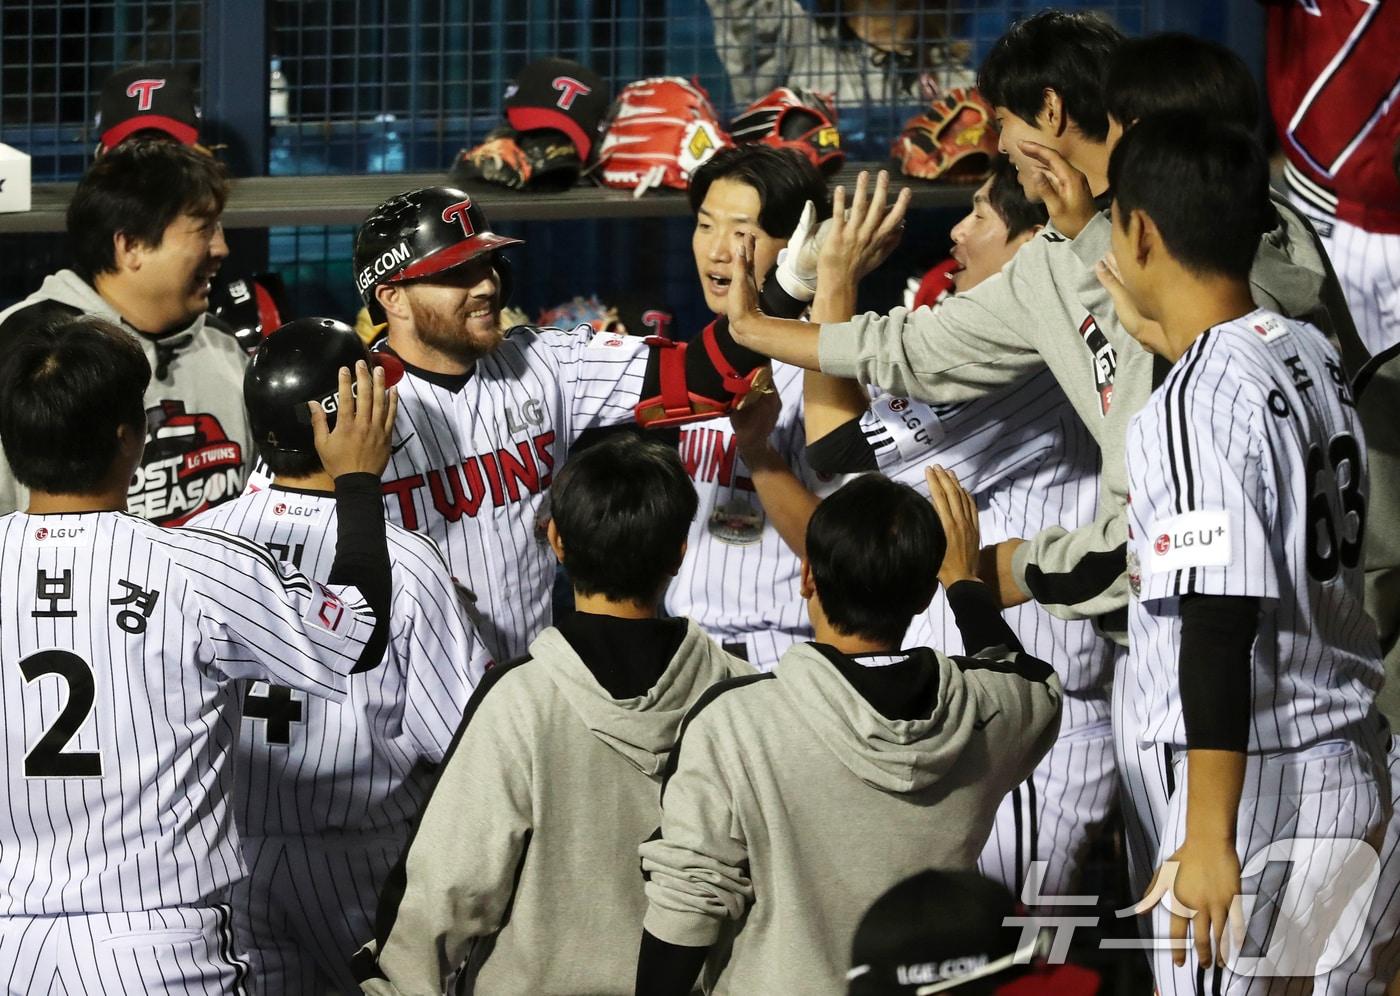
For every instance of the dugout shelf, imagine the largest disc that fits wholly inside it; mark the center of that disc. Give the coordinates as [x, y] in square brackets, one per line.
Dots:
[264, 201]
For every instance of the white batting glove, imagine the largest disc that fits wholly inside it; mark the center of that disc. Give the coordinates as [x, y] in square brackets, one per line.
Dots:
[797, 262]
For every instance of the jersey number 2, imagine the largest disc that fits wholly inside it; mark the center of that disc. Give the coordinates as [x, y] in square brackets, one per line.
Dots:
[48, 759]
[1331, 545]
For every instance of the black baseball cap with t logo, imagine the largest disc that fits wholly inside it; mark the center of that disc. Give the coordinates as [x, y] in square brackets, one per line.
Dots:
[559, 94]
[148, 97]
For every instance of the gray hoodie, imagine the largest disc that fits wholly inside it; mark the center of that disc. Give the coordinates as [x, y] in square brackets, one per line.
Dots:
[525, 861]
[1047, 309]
[794, 804]
[199, 446]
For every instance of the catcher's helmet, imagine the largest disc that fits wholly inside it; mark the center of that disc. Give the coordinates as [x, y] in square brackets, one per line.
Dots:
[422, 233]
[301, 362]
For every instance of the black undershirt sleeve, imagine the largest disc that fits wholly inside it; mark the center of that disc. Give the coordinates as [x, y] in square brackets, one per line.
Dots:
[978, 618]
[665, 969]
[843, 450]
[362, 556]
[1217, 639]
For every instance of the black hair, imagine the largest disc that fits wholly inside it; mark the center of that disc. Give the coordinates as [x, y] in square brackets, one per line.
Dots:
[875, 547]
[1176, 72]
[1205, 185]
[139, 188]
[1010, 202]
[65, 388]
[1064, 51]
[784, 178]
[623, 508]
[285, 463]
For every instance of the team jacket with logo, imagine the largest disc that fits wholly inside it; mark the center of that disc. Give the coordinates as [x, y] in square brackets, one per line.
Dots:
[122, 646]
[1248, 476]
[309, 766]
[198, 444]
[1046, 308]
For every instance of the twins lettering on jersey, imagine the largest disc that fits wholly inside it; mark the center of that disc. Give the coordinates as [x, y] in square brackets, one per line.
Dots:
[508, 475]
[189, 465]
[711, 455]
[1105, 360]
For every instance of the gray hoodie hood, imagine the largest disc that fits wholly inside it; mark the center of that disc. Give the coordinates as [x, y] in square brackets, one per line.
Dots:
[642, 729]
[892, 755]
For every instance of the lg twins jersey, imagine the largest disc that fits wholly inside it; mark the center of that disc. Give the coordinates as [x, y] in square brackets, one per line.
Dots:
[120, 642]
[739, 579]
[1248, 477]
[306, 765]
[1031, 465]
[473, 457]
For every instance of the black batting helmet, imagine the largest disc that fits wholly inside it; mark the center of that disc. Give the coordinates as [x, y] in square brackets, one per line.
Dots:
[422, 233]
[301, 362]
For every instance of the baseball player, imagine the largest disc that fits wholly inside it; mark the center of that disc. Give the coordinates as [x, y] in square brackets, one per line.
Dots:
[489, 415]
[1047, 310]
[739, 579]
[146, 241]
[852, 756]
[1332, 83]
[325, 792]
[1030, 464]
[1253, 661]
[531, 834]
[122, 646]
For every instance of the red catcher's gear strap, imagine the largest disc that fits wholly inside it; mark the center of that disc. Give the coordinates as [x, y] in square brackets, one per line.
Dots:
[676, 405]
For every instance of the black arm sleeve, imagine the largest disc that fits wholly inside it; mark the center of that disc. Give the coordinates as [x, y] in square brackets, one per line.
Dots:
[665, 969]
[1217, 636]
[362, 556]
[843, 450]
[978, 618]
[700, 374]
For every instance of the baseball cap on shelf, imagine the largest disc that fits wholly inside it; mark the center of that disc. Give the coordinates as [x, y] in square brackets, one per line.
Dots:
[148, 97]
[559, 94]
[945, 932]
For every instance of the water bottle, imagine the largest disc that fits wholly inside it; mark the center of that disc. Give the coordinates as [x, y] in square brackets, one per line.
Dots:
[277, 93]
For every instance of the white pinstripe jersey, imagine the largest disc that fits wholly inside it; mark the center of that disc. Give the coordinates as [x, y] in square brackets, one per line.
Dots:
[471, 466]
[1028, 460]
[121, 642]
[1248, 477]
[739, 580]
[305, 765]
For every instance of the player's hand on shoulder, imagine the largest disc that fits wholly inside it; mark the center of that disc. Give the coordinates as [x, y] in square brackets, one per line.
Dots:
[1063, 189]
[958, 514]
[364, 424]
[862, 236]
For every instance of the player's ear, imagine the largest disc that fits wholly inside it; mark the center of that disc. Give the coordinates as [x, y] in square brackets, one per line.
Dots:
[1052, 111]
[807, 587]
[393, 298]
[1142, 235]
[1017, 241]
[555, 542]
[127, 252]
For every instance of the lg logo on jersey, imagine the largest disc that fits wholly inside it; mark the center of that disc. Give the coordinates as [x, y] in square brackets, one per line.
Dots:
[59, 532]
[299, 511]
[1193, 539]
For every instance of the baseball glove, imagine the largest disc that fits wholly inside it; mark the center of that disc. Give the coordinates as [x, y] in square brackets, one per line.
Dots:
[794, 118]
[954, 140]
[658, 131]
[541, 157]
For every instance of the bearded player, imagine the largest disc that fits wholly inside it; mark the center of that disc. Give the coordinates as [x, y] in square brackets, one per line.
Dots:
[487, 414]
